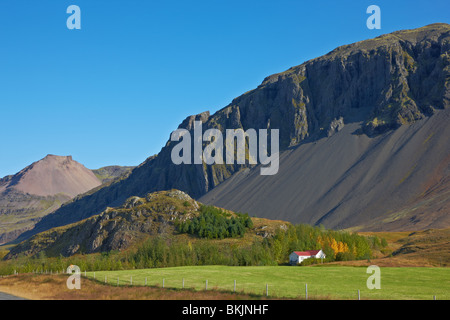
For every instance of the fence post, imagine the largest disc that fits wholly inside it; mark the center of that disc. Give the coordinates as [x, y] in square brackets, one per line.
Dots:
[183, 283]
[206, 285]
[163, 282]
[359, 295]
[234, 286]
[306, 291]
[145, 281]
[267, 290]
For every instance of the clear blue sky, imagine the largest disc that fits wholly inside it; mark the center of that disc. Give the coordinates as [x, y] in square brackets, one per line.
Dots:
[112, 92]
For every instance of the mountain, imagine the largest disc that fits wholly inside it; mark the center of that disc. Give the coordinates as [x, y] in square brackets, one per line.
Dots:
[39, 189]
[398, 180]
[50, 176]
[110, 173]
[19, 212]
[367, 119]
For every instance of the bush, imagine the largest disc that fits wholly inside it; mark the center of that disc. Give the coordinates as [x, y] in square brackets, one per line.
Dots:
[213, 223]
[344, 256]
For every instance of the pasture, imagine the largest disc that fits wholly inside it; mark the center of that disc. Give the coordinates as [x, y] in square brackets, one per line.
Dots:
[323, 282]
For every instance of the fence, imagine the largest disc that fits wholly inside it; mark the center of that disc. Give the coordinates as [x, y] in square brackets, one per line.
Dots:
[265, 289]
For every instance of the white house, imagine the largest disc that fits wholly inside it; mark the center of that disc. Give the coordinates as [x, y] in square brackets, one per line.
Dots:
[298, 256]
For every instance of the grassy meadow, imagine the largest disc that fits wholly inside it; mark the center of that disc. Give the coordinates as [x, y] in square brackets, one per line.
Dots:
[332, 282]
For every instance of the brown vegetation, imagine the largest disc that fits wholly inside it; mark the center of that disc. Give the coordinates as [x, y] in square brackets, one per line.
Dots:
[53, 287]
[429, 248]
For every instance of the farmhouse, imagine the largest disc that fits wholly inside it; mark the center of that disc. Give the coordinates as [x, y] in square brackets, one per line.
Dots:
[298, 256]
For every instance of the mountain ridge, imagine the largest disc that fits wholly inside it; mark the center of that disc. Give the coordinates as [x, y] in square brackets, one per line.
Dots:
[380, 85]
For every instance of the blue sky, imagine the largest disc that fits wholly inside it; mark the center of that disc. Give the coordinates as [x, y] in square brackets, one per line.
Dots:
[112, 92]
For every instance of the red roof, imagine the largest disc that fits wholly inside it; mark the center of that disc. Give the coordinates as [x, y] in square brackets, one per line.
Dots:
[307, 253]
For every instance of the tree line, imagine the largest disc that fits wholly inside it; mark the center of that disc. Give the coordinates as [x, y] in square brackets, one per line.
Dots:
[169, 251]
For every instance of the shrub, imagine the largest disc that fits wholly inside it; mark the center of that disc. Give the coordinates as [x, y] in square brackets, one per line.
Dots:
[214, 223]
[344, 256]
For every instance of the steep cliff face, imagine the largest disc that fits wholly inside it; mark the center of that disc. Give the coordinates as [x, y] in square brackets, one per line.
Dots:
[385, 82]
[397, 180]
[379, 84]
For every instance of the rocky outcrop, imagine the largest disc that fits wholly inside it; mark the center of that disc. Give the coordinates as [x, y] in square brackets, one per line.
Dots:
[114, 228]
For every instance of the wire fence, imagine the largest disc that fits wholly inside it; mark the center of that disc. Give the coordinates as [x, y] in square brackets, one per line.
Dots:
[305, 290]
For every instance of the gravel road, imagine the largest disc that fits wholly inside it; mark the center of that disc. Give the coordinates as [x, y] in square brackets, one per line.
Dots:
[5, 296]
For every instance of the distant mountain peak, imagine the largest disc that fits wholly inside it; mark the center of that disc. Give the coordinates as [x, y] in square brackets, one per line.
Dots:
[53, 156]
[52, 175]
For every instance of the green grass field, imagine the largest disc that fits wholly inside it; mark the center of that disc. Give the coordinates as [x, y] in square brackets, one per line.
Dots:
[333, 282]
